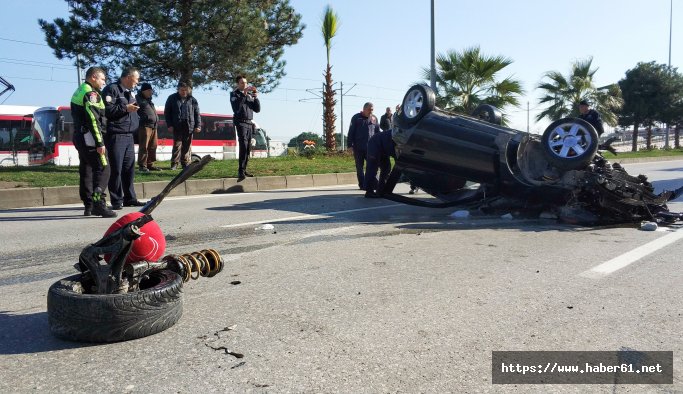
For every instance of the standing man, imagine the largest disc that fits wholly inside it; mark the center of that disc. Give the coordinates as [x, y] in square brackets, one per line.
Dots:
[363, 126]
[182, 118]
[244, 101]
[147, 133]
[591, 116]
[122, 121]
[385, 120]
[87, 109]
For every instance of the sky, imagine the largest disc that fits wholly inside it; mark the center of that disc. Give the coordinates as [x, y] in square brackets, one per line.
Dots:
[381, 48]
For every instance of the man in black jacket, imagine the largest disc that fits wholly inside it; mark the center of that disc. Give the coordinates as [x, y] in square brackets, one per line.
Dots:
[147, 133]
[244, 101]
[591, 116]
[122, 121]
[182, 118]
[363, 126]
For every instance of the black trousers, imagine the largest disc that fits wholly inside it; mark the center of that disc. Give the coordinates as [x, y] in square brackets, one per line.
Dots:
[93, 173]
[121, 151]
[245, 132]
[360, 157]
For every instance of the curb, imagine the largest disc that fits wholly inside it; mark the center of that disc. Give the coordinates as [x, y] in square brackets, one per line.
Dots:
[26, 197]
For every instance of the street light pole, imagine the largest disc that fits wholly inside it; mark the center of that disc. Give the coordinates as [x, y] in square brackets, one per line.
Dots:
[671, 9]
[433, 56]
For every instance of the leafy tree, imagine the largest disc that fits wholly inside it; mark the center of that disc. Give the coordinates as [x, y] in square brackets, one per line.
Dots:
[205, 42]
[466, 79]
[652, 93]
[329, 28]
[298, 141]
[563, 94]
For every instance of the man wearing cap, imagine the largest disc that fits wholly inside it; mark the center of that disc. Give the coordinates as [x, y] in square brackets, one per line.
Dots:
[147, 133]
[591, 116]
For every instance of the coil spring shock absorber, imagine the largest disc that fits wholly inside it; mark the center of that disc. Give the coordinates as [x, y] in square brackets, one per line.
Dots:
[205, 263]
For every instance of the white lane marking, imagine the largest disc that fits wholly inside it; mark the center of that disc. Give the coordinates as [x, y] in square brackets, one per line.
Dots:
[236, 194]
[632, 256]
[308, 216]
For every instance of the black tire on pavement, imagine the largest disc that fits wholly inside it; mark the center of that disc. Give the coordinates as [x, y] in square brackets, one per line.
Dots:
[195, 158]
[570, 143]
[80, 317]
[418, 102]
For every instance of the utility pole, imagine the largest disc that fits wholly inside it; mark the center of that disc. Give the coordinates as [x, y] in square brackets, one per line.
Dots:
[341, 100]
[527, 116]
[671, 9]
[433, 55]
[78, 69]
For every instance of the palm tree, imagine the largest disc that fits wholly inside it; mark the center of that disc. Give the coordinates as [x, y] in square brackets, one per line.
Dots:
[466, 79]
[330, 23]
[563, 94]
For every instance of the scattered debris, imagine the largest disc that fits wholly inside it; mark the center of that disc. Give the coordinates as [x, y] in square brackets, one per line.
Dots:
[235, 282]
[226, 350]
[239, 365]
[266, 226]
[461, 214]
[648, 226]
[570, 307]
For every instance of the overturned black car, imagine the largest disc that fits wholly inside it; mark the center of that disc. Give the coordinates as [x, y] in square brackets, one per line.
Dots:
[561, 171]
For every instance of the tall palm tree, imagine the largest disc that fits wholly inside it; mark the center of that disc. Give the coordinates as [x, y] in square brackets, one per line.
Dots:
[330, 24]
[563, 94]
[468, 78]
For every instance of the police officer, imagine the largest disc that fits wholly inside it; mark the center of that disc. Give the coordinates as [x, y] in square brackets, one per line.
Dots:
[591, 116]
[122, 122]
[87, 109]
[380, 147]
[363, 126]
[244, 101]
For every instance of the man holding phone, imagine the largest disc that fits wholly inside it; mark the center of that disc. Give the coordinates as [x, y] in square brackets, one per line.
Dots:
[121, 111]
[244, 101]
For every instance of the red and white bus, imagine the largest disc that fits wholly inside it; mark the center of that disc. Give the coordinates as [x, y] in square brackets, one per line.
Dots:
[216, 138]
[16, 137]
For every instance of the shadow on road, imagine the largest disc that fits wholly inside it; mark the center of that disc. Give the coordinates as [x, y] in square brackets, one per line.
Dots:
[29, 333]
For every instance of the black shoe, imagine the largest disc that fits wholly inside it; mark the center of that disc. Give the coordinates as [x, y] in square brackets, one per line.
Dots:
[241, 177]
[370, 194]
[144, 169]
[248, 174]
[87, 211]
[101, 209]
[134, 203]
[174, 167]
[152, 168]
[117, 207]
[185, 166]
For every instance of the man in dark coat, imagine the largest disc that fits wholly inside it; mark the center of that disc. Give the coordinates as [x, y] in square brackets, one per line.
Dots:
[591, 116]
[122, 122]
[182, 118]
[147, 133]
[381, 147]
[244, 101]
[363, 126]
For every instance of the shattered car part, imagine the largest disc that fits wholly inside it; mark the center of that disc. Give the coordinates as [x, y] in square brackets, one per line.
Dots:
[121, 300]
[561, 171]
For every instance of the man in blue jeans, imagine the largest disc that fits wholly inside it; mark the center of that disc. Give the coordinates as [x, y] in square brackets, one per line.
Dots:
[363, 126]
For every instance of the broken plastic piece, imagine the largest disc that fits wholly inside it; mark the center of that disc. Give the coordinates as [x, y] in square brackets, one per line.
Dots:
[648, 226]
[266, 226]
[461, 214]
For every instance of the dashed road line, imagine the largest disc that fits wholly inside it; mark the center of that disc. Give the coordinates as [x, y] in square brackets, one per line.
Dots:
[619, 262]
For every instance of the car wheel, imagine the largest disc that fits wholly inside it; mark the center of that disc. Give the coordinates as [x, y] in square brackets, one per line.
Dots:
[488, 113]
[418, 101]
[76, 316]
[195, 158]
[570, 143]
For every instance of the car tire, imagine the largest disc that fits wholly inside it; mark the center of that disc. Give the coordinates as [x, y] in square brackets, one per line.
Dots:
[195, 158]
[75, 316]
[488, 113]
[570, 143]
[418, 101]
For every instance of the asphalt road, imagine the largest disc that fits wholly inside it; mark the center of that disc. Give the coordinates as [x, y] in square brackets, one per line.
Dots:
[347, 294]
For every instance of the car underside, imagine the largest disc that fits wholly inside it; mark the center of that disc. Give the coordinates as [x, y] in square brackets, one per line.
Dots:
[475, 162]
